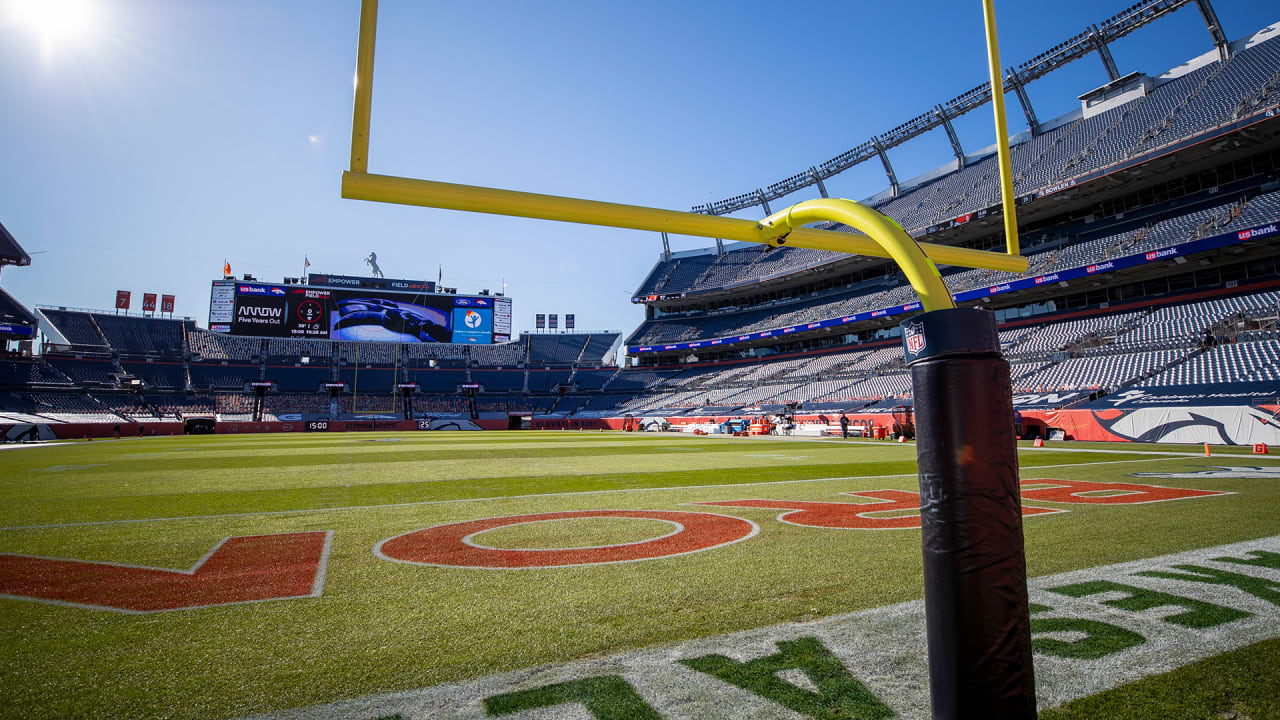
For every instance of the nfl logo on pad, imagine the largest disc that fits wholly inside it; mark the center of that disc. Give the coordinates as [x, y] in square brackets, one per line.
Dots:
[914, 335]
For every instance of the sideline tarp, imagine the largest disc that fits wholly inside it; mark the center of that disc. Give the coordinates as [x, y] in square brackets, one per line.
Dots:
[1214, 424]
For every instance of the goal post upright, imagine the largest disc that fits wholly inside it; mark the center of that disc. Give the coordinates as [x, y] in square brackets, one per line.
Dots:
[976, 607]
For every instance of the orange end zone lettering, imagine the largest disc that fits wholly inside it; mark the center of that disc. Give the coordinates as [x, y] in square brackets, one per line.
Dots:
[1072, 491]
[451, 546]
[237, 570]
[853, 515]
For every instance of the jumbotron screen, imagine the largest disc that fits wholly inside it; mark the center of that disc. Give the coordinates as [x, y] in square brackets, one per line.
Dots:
[367, 315]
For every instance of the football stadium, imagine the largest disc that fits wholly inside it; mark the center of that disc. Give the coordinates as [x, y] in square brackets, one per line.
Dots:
[999, 440]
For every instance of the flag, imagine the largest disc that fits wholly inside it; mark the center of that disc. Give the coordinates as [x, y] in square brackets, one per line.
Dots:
[226, 268]
[305, 261]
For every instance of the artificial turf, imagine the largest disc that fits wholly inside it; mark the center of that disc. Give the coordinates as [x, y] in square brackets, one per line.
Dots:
[382, 627]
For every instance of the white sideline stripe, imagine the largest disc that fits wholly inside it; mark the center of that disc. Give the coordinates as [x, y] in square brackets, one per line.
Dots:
[517, 497]
[28, 446]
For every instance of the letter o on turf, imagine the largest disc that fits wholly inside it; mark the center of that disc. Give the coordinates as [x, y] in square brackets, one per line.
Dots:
[449, 546]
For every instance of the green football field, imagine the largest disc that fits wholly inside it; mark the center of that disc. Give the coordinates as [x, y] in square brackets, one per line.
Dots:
[350, 586]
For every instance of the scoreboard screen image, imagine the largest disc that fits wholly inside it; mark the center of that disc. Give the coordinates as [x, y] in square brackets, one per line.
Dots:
[298, 311]
[367, 316]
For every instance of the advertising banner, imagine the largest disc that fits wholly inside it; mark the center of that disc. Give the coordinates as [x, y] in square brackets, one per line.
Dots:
[371, 283]
[222, 306]
[501, 320]
[472, 325]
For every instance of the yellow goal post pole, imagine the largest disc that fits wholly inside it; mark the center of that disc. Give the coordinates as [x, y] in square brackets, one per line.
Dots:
[1002, 130]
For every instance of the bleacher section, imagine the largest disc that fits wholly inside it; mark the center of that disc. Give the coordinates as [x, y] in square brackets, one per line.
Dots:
[159, 374]
[222, 375]
[127, 333]
[499, 380]
[300, 378]
[19, 373]
[85, 370]
[217, 346]
[555, 349]
[1223, 216]
[76, 327]
[1243, 362]
[1098, 353]
[366, 380]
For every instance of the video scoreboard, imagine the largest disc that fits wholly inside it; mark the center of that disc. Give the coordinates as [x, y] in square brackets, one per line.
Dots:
[361, 309]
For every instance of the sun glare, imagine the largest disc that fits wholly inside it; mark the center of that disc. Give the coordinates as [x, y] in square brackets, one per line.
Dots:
[58, 23]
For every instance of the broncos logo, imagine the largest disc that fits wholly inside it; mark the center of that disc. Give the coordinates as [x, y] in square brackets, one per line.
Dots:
[1161, 431]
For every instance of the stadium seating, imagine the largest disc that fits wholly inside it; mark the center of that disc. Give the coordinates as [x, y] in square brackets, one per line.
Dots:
[369, 379]
[285, 348]
[556, 349]
[222, 375]
[180, 406]
[1101, 372]
[77, 327]
[218, 346]
[547, 380]
[169, 375]
[87, 371]
[1242, 362]
[129, 406]
[30, 371]
[499, 380]
[437, 381]
[304, 379]
[504, 355]
[131, 334]
[1187, 324]
[71, 407]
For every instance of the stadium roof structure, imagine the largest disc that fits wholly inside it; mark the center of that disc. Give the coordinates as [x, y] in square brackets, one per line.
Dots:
[1094, 38]
[11, 253]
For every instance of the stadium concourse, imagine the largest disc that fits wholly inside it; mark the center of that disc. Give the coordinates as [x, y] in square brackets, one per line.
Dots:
[1148, 313]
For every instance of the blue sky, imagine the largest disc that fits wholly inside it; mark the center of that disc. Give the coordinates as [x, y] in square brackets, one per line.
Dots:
[175, 134]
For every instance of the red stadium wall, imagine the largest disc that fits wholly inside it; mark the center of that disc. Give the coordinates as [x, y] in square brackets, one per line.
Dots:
[72, 431]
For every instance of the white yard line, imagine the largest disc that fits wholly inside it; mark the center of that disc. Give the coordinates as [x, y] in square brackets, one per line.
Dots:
[1030, 470]
[885, 650]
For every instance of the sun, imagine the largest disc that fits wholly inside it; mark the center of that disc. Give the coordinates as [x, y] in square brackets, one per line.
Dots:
[58, 23]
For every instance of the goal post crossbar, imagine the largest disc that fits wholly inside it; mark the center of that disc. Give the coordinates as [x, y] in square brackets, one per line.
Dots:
[882, 236]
